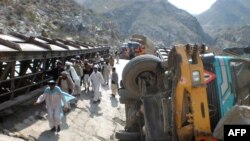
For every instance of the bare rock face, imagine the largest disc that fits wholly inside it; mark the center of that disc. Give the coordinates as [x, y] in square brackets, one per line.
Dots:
[226, 13]
[157, 19]
[232, 37]
[54, 18]
[227, 21]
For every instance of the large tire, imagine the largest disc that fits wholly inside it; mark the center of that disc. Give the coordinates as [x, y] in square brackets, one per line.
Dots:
[136, 66]
[123, 100]
[124, 93]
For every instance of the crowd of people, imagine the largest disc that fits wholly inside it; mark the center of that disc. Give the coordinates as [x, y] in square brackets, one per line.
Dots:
[70, 77]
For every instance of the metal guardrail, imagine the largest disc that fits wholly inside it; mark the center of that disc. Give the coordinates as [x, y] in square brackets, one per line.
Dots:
[24, 61]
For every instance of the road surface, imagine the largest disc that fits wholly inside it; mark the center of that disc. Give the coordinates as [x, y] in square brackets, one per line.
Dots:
[86, 122]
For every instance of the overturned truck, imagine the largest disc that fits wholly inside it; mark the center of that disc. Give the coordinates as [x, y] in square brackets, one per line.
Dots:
[188, 97]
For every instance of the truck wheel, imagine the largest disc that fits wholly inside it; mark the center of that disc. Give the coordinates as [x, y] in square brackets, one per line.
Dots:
[123, 93]
[123, 100]
[123, 96]
[127, 136]
[135, 67]
[121, 84]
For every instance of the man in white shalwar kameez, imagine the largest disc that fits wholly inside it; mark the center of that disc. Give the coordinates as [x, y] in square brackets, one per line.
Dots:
[72, 73]
[114, 82]
[96, 79]
[106, 72]
[65, 82]
[53, 97]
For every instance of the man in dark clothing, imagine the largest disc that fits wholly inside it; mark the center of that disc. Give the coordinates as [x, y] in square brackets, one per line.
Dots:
[87, 70]
[55, 72]
[131, 53]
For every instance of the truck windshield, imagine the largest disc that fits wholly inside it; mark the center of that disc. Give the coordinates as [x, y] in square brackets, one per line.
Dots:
[241, 79]
[244, 51]
[133, 45]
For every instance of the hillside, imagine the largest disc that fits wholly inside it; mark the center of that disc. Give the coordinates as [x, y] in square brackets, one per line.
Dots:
[157, 19]
[233, 37]
[104, 6]
[227, 21]
[226, 13]
[56, 19]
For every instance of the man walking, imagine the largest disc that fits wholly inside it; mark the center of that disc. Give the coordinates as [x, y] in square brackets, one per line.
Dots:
[86, 73]
[117, 57]
[114, 82]
[53, 96]
[106, 72]
[111, 60]
[78, 68]
[65, 82]
[55, 72]
[67, 85]
[96, 80]
[72, 73]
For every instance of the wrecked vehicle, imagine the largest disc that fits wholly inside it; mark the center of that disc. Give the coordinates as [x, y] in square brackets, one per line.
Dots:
[185, 97]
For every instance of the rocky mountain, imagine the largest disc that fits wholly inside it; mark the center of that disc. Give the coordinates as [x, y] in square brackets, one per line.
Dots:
[56, 19]
[104, 6]
[226, 13]
[232, 37]
[157, 19]
[228, 22]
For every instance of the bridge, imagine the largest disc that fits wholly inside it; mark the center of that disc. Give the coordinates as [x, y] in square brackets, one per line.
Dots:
[24, 62]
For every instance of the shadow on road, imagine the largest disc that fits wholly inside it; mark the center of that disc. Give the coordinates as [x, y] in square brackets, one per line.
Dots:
[30, 114]
[94, 109]
[114, 101]
[48, 136]
[86, 95]
[105, 87]
[64, 122]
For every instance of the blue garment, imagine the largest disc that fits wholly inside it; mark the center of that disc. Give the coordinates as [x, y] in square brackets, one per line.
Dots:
[67, 97]
[56, 89]
[54, 99]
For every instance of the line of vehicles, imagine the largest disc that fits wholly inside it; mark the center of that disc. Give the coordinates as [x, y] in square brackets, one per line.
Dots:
[183, 93]
[135, 46]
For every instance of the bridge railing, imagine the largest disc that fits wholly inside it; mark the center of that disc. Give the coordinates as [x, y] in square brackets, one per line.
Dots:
[25, 61]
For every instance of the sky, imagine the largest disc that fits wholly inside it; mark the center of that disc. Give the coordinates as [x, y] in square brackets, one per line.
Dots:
[193, 6]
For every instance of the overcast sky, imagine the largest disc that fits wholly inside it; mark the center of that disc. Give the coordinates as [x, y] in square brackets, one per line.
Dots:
[193, 6]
